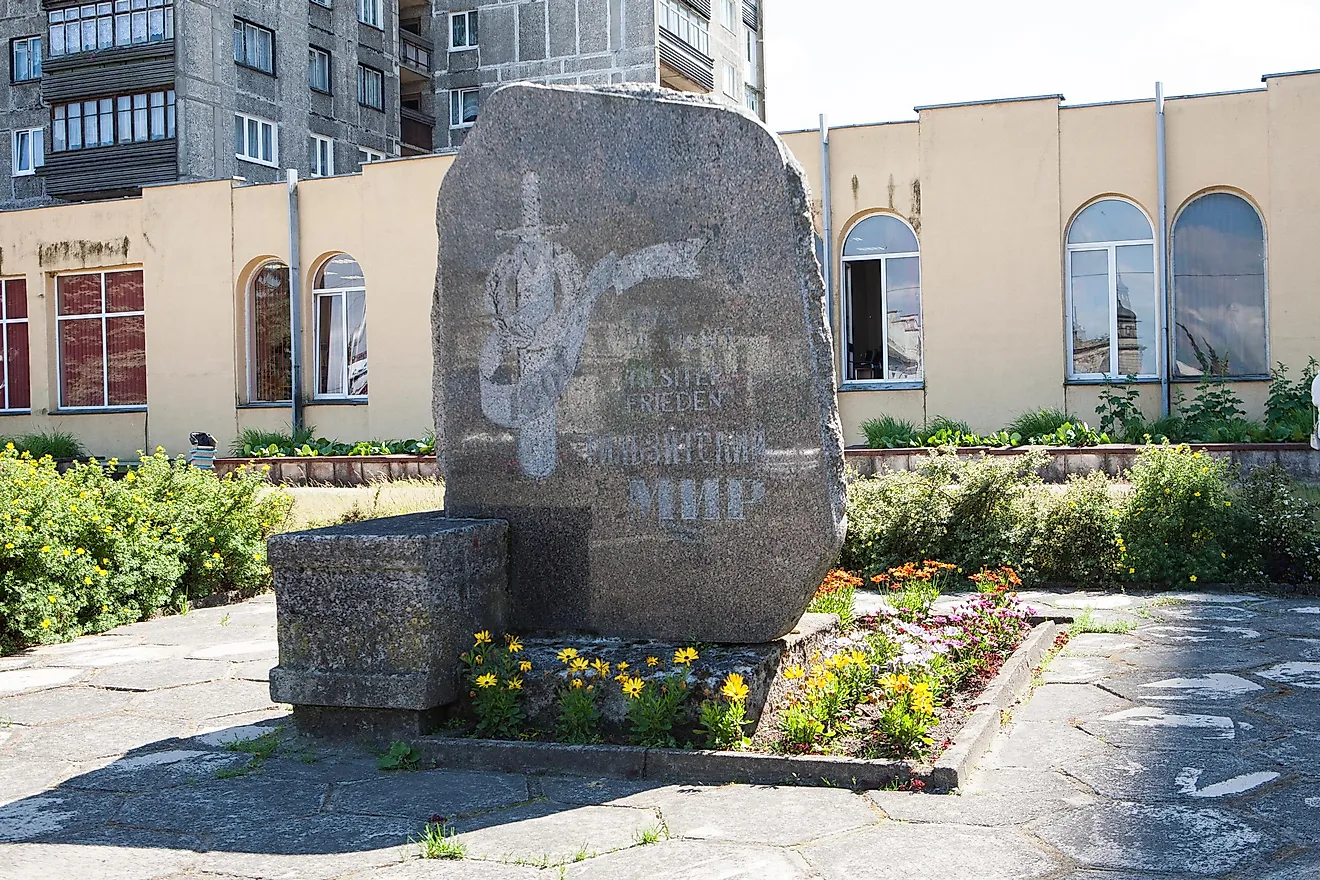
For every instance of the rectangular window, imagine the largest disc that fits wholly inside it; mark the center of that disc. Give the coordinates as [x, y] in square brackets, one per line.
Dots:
[322, 156]
[366, 157]
[731, 16]
[15, 372]
[25, 59]
[685, 24]
[730, 80]
[341, 343]
[96, 26]
[751, 52]
[318, 69]
[882, 318]
[270, 347]
[325, 3]
[122, 119]
[463, 30]
[463, 104]
[371, 87]
[254, 46]
[101, 340]
[369, 13]
[754, 100]
[29, 152]
[256, 139]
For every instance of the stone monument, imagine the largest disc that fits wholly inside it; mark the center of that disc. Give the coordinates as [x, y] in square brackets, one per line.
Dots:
[633, 365]
[635, 414]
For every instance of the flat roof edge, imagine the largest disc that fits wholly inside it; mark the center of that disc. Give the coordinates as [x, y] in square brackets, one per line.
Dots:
[990, 101]
[1269, 76]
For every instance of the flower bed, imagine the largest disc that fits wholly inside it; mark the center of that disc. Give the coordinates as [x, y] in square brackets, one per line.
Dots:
[895, 684]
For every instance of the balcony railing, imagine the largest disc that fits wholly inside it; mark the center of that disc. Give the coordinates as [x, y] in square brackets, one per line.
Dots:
[416, 129]
[415, 52]
[687, 60]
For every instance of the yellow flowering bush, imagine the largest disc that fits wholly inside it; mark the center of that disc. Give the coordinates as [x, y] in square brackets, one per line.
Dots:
[579, 718]
[653, 706]
[83, 552]
[494, 675]
[909, 713]
[723, 721]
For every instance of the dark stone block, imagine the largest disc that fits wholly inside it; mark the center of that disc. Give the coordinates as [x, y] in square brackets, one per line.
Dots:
[531, 31]
[375, 614]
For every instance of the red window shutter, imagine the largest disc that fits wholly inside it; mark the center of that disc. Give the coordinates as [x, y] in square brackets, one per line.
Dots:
[126, 360]
[16, 298]
[16, 359]
[82, 363]
[79, 294]
[123, 291]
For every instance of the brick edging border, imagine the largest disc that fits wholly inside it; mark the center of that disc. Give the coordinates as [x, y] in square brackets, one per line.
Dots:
[950, 771]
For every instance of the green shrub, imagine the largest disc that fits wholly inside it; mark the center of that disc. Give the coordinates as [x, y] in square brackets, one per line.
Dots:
[1069, 434]
[250, 440]
[975, 514]
[83, 553]
[887, 432]
[1277, 533]
[1215, 415]
[1039, 422]
[1077, 541]
[1120, 410]
[255, 443]
[1289, 413]
[1178, 518]
[944, 424]
[56, 444]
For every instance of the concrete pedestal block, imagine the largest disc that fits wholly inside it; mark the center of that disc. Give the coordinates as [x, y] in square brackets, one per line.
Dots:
[374, 615]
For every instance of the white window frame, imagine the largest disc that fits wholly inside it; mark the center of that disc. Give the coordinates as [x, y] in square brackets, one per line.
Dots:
[318, 294]
[752, 98]
[33, 59]
[686, 24]
[846, 316]
[1112, 256]
[249, 33]
[366, 156]
[5, 323]
[731, 80]
[322, 147]
[28, 144]
[731, 14]
[456, 104]
[113, 24]
[371, 13]
[314, 54]
[1173, 285]
[469, 16]
[104, 318]
[364, 73]
[274, 161]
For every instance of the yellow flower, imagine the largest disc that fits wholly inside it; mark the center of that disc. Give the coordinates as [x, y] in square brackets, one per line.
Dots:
[623, 666]
[1132, 571]
[9, 546]
[602, 668]
[45, 624]
[578, 664]
[633, 687]
[1192, 578]
[1196, 494]
[1228, 503]
[734, 687]
[486, 681]
[130, 477]
[87, 580]
[652, 661]
[525, 666]
[514, 645]
[566, 655]
[477, 659]
[515, 684]
[794, 671]
[685, 655]
[483, 637]
[575, 683]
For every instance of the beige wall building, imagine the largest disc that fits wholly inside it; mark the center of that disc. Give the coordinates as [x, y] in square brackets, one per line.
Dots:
[984, 259]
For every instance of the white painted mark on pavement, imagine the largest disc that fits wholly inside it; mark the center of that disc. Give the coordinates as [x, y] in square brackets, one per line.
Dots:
[1146, 716]
[1215, 686]
[1187, 779]
[1310, 609]
[1299, 674]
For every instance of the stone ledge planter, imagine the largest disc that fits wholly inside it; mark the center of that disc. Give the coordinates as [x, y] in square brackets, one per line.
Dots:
[1298, 459]
[950, 771]
[336, 470]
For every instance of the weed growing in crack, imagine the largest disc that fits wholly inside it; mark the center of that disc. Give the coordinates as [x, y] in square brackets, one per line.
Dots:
[440, 841]
[1086, 623]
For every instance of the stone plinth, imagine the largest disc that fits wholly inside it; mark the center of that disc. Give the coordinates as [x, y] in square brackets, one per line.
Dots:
[633, 365]
[375, 614]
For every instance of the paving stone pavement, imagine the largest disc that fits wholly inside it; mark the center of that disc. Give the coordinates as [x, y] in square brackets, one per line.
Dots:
[1184, 748]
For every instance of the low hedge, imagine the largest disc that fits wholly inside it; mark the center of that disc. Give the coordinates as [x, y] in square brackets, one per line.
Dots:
[1188, 518]
[81, 552]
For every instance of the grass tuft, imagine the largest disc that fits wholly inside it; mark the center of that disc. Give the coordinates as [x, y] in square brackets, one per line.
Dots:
[56, 444]
[1086, 623]
[440, 841]
[650, 835]
[1040, 422]
[887, 432]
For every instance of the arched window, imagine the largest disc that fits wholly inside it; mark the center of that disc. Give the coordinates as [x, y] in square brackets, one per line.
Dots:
[340, 292]
[270, 347]
[882, 301]
[1113, 315]
[1219, 288]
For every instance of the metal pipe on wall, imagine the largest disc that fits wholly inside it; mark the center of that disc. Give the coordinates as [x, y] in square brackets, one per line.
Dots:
[1162, 253]
[295, 305]
[827, 222]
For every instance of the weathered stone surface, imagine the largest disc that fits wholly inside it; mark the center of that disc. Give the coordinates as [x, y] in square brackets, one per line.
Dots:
[419, 796]
[375, 614]
[778, 816]
[552, 834]
[633, 365]
[693, 859]
[898, 851]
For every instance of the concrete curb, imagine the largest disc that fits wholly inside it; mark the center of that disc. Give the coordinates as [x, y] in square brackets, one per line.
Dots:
[951, 771]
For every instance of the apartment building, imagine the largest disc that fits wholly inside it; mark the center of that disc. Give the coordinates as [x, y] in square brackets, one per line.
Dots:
[107, 97]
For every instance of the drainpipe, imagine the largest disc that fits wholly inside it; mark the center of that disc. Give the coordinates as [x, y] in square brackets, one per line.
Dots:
[827, 209]
[295, 306]
[1162, 253]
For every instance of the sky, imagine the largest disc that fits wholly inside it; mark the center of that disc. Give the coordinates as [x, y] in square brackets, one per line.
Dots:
[863, 61]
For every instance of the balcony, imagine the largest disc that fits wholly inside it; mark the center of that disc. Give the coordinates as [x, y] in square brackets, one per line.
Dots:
[751, 14]
[683, 66]
[416, 131]
[99, 172]
[414, 54]
[123, 69]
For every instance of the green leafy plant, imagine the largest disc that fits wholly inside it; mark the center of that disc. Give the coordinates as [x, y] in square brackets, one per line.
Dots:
[799, 728]
[1215, 415]
[1086, 622]
[257, 443]
[909, 714]
[1077, 540]
[56, 444]
[653, 706]
[649, 835]
[579, 717]
[836, 596]
[1040, 422]
[400, 756]
[494, 675]
[1289, 412]
[1120, 410]
[887, 432]
[439, 840]
[260, 748]
[1276, 533]
[1069, 434]
[724, 721]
